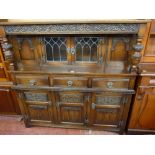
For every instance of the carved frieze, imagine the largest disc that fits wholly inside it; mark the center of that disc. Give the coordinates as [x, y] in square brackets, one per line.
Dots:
[108, 100]
[71, 98]
[29, 96]
[72, 108]
[72, 28]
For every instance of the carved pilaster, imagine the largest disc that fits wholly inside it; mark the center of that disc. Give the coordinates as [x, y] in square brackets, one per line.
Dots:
[136, 56]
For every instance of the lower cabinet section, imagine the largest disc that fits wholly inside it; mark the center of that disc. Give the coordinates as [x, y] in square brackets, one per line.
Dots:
[143, 111]
[8, 101]
[73, 109]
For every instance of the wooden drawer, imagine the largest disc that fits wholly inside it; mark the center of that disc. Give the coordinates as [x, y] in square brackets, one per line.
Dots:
[110, 83]
[32, 80]
[69, 81]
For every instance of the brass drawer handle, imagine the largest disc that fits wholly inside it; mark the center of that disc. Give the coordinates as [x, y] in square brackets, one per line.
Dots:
[32, 82]
[110, 84]
[69, 83]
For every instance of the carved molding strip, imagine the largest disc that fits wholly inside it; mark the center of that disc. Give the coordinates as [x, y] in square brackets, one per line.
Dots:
[71, 98]
[72, 29]
[108, 100]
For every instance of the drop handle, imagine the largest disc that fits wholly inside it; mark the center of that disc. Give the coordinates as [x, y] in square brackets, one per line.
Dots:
[110, 84]
[69, 83]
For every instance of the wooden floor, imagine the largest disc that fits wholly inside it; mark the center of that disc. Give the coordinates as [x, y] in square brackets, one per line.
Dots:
[12, 125]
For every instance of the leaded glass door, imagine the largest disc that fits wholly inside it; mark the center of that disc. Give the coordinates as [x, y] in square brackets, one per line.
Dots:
[81, 49]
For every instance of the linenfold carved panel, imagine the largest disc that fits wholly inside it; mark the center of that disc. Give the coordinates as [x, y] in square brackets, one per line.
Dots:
[72, 28]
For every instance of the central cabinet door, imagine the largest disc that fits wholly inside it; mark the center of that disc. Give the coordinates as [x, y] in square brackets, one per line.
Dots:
[107, 110]
[71, 108]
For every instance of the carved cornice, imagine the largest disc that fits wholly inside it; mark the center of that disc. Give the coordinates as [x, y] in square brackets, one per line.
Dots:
[73, 29]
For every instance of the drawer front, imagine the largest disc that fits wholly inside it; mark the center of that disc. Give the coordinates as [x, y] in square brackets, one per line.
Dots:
[110, 83]
[70, 82]
[32, 80]
[2, 73]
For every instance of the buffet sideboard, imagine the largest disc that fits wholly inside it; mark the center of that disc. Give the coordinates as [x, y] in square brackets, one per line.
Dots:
[74, 74]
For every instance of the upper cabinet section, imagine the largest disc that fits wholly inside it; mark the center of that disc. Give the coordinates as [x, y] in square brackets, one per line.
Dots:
[103, 47]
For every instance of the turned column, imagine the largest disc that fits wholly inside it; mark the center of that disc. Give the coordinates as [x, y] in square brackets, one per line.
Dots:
[136, 56]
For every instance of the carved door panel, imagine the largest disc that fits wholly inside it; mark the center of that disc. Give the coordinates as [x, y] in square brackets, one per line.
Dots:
[107, 109]
[143, 110]
[38, 107]
[71, 108]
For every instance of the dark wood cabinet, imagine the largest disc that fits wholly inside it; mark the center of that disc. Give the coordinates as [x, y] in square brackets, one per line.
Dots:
[74, 75]
[142, 114]
[8, 101]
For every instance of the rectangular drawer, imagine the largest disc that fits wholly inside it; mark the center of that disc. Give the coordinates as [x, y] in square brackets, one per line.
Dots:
[110, 83]
[32, 80]
[69, 81]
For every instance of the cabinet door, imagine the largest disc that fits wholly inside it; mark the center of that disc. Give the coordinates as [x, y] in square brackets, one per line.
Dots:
[109, 110]
[8, 103]
[71, 108]
[143, 110]
[38, 107]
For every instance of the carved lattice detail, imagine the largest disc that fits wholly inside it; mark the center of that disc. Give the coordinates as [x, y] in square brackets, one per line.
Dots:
[72, 28]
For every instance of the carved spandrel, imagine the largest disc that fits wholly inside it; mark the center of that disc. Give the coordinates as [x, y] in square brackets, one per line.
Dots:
[29, 96]
[116, 40]
[71, 98]
[72, 28]
[21, 40]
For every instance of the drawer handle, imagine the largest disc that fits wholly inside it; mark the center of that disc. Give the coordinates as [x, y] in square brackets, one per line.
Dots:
[32, 82]
[69, 83]
[110, 84]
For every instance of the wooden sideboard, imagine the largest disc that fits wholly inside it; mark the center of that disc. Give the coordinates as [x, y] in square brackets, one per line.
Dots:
[141, 119]
[74, 74]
